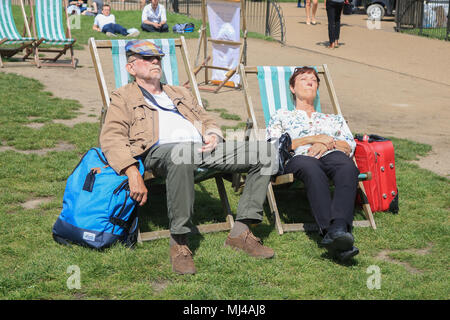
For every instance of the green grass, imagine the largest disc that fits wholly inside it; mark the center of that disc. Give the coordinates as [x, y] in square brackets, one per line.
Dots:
[33, 266]
[128, 19]
[436, 33]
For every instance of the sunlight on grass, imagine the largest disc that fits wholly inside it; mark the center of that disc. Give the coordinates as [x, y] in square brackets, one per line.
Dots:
[33, 266]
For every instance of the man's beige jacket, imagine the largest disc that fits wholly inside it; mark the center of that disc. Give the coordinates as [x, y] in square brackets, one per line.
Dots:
[131, 125]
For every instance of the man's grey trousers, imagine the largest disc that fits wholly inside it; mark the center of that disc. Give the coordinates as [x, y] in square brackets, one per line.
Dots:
[178, 162]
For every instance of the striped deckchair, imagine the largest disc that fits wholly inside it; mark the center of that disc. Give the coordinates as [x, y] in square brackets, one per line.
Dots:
[273, 84]
[9, 35]
[170, 76]
[48, 29]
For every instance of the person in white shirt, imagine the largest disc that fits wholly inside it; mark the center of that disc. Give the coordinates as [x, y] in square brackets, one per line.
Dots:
[154, 17]
[106, 22]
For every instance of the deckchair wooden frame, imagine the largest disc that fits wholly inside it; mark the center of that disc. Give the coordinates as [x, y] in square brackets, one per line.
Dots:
[25, 44]
[289, 178]
[59, 51]
[203, 42]
[94, 45]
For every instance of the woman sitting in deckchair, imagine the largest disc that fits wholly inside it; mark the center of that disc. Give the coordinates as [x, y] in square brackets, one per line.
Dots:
[323, 146]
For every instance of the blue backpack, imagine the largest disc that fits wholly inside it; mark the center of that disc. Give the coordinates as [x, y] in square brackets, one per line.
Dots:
[183, 27]
[97, 208]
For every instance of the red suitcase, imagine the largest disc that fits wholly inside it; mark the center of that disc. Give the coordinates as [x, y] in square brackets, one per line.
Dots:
[376, 154]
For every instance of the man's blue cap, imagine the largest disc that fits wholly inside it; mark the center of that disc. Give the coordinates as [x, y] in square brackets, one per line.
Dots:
[143, 48]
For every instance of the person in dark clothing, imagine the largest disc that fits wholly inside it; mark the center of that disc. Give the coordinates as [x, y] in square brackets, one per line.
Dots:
[334, 11]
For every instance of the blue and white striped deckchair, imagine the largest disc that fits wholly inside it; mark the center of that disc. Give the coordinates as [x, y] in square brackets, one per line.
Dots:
[48, 28]
[171, 77]
[169, 62]
[273, 83]
[9, 34]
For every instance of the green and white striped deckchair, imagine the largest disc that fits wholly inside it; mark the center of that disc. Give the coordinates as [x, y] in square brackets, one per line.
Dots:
[9, 35]
[273, 85]
[170, 76]
[48, 29]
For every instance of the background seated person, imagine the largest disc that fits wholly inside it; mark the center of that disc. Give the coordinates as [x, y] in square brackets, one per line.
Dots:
[323, 146]
[154, 18]
[97, 7]
[106, 23]
[77, 6]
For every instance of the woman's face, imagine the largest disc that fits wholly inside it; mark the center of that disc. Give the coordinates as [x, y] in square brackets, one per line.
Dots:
[305, 86]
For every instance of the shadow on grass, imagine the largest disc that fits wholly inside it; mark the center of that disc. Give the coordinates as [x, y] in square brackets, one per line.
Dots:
[293, 206]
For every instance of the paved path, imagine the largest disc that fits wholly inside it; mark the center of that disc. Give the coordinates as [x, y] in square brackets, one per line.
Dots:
[387, 83]
[362, 42]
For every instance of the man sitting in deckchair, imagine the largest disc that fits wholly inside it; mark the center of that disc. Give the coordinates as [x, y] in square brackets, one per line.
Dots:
[173, 134]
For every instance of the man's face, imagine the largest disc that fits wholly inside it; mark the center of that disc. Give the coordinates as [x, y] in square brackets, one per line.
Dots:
[145, 68]
[106, 11]
[154, 3]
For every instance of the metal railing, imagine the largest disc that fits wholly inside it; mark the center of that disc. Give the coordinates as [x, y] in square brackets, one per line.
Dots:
[426, 18]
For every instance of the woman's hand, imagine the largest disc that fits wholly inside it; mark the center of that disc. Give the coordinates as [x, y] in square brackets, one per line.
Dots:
[317, 150]
[344, 147]
[326, 140]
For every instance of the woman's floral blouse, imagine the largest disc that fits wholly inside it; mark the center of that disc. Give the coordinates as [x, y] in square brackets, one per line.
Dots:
[299, 125]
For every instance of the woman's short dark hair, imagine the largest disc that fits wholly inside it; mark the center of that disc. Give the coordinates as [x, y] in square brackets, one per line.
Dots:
[302, 70]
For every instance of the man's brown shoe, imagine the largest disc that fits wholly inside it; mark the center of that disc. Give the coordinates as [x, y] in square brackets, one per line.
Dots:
[181, 259]
[252, 245]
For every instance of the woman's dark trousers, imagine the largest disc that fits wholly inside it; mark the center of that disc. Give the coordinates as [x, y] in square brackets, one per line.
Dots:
[315, 174]
[334, 10]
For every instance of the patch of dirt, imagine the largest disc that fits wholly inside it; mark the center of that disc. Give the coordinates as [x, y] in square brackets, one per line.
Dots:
[35, 203]
[159, 285]
[61, 146]
[384, 255]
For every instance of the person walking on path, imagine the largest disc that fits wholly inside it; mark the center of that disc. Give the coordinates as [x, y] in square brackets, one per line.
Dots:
[334, 11]
[311, 16]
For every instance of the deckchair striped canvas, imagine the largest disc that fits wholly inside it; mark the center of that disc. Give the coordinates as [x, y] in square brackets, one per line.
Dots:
[8, 29]
[169, 62]
[274, 90]
[49, 22]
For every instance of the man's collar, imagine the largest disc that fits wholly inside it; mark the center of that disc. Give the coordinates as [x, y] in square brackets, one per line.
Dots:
[136, 97]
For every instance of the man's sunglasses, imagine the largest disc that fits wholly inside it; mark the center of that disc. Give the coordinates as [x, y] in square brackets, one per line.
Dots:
[147, 58]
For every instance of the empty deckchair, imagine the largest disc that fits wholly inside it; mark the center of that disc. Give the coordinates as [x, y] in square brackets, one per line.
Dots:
[48, 29]
[9, 35]
[273, 85]
[170, 76]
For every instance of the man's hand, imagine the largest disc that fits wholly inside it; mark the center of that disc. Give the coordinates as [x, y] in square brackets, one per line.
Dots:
[317, 150]
[210, 143]
[138, 191]
[344, 147]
